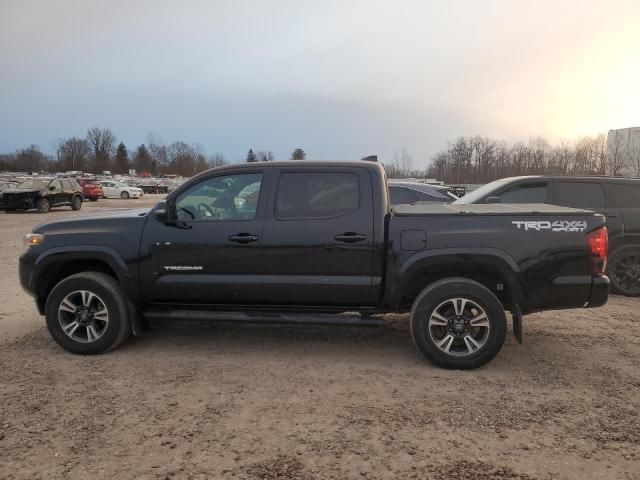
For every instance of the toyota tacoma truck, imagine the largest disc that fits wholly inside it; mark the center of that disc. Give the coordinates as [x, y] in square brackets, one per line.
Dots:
[305, 242]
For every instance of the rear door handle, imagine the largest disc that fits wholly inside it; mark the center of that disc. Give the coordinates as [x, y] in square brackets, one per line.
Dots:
[350, 237]
[243, 238]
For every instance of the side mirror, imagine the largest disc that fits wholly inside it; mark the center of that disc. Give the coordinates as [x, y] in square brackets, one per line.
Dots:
[493, 200]
[161, 215]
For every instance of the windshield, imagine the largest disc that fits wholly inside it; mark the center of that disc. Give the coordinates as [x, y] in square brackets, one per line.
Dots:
[35, 183]
[479, 193]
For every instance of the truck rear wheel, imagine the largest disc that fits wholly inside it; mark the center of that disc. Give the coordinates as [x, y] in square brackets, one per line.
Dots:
[86, 313]
[458, 323]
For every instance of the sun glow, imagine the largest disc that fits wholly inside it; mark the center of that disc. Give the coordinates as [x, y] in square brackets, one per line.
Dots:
[599, 92]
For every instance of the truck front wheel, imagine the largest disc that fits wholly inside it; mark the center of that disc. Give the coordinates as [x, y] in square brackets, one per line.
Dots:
[86, 313]
[458, 323]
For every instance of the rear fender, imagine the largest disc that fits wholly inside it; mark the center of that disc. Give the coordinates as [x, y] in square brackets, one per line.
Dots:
[472, 259]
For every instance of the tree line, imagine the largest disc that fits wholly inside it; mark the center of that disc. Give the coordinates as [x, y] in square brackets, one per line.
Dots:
[478, 159]
[100, 151]
[474, 160]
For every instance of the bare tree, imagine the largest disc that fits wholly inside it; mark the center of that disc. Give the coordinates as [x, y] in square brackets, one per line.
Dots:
[30, 159]
[102, 142]
[73, 154]
[159, 154]
[265, 156]
[217, 160]
[182, 158]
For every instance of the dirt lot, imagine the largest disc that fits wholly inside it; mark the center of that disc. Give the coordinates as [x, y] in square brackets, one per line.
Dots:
[235, 401]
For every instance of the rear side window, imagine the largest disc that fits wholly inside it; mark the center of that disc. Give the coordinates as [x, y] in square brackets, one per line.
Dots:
[624, 196]
[401, 195]
[527, 193]
[579, 195]
[315, 195]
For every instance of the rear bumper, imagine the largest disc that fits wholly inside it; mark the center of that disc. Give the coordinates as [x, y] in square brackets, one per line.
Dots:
[599, 292]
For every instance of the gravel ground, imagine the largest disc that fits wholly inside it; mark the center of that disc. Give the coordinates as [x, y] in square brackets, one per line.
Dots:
[200, 401]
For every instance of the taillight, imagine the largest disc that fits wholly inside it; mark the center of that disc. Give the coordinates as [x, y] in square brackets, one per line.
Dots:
[598, 242]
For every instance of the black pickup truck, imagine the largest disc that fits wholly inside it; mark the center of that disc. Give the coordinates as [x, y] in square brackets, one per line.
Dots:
[297, 241]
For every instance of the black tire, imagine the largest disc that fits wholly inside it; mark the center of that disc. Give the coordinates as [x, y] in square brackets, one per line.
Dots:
[43, 205]
[437, 296]
[106, 288]
[124, 195]
[624, 271]
[76, 202]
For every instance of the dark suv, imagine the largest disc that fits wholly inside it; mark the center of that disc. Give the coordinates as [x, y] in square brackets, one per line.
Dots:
[42, 194]
[411, 193]
[617, 198]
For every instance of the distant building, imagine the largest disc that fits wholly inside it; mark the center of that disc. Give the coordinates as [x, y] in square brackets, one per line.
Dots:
[623, 145]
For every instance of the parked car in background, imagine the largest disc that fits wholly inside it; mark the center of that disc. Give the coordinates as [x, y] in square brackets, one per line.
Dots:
[91, 189]
[150, 186]
[616, 198]
[113, 189]
[6, 184]
[412, 193]
[42, 194]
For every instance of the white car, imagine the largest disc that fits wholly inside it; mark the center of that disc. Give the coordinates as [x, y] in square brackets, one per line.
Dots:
[112, 189]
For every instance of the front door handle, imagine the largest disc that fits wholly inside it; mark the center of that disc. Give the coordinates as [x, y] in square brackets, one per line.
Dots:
[243, 238]
[350, 237]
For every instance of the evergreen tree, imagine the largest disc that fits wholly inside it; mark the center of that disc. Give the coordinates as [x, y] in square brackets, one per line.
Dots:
[251, 157]
[298, 154]
[121, 164]
[142, 160]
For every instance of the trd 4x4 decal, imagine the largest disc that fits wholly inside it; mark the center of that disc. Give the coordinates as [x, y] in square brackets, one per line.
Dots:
[554, 226]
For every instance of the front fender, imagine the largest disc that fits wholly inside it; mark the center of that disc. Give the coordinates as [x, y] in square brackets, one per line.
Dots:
[48, 262]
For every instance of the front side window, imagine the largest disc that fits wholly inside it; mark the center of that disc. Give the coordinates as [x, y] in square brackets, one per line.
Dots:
[55, 186]
[316, 195]
[229, 197]
[531, 193]
[579, 195]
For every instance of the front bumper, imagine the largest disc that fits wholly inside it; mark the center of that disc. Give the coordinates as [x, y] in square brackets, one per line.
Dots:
[599, 292]
[17, 202]
[25, 269]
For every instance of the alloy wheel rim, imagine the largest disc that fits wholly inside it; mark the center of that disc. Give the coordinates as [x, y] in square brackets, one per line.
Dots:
[459, 327]
[627, 272]
[83, 316]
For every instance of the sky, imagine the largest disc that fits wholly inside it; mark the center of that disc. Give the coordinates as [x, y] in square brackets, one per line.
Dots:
[341, 79]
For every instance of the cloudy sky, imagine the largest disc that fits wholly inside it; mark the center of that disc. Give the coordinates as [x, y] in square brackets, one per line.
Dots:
[339, 78]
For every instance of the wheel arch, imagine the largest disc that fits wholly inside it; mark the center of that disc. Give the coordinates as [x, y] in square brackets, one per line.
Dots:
[490, 267]
[58, 263]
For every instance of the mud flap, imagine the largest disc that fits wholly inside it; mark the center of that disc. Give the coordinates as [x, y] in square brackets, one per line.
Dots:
[516, 315]
[138, 324]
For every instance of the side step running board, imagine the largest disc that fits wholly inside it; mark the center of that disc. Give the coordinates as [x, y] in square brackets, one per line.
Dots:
[257, 317]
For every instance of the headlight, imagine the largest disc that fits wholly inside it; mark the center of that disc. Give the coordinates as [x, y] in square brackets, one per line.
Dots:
[33, 239]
